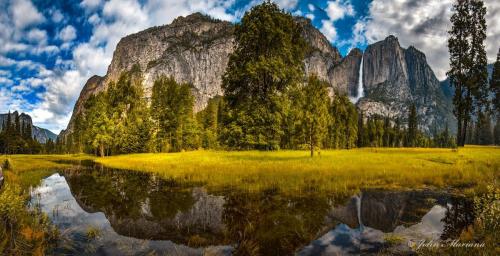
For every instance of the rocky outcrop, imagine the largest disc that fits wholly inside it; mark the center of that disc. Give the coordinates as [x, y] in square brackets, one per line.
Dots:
[321, 57]
[40, 134]
[393, 79]
[345, 76]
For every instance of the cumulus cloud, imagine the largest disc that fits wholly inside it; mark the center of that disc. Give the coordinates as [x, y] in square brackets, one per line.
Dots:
[339, 9]
[328, 29]
[335, 10]
[90, 4]
[37, 36]
[25, 13]
[424, 24]
[67, 34]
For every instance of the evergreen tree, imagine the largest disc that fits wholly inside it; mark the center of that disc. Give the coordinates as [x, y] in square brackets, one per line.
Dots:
[315, 112]
[265, 65]
[485, 131]
[172, 111]
[497, 132]
[360, 130]
[495, 85]
[208, 119]
[412, 126]
[467, 62]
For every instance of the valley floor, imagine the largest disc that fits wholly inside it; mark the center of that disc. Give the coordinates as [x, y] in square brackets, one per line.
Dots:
[470, 171]
[331, 171]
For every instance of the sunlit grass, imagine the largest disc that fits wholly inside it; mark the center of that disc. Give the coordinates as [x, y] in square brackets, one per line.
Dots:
[332, 171]
[295, 172]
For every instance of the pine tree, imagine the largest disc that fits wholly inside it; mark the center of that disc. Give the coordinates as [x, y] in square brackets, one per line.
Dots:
[485, 133]
[412, 126]
[172, 112]
[495, 85]
[467, 62]
[315, 112]
[265, 66]
[497, 132]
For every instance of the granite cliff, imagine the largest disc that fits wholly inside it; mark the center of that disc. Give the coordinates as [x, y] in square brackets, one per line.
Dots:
[196, 49]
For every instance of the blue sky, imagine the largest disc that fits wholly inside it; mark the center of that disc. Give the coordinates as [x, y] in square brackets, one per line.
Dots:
[49, 48]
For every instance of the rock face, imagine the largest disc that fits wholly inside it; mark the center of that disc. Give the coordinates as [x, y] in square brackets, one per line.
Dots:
[345, 75]
[196, 49]
[394, 78]
[40, 134]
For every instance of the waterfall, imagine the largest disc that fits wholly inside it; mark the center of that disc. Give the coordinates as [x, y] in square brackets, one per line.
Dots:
[359, 93]
[358, 209]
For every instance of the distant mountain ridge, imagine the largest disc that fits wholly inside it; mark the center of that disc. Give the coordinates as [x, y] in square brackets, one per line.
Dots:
[40, 134]
[196, 48]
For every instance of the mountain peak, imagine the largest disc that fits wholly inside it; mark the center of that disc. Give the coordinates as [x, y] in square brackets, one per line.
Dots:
[193, 18]
[391, 38]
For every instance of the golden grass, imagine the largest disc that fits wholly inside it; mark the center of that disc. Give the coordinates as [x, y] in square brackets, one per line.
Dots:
[295, 172]
[333, 171]
[28, 170]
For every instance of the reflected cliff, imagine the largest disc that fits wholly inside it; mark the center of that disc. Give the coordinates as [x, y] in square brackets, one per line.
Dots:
[137, 213]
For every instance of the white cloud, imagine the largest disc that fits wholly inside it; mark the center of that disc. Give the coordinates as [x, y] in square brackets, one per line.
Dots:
[335, 10]
[4, 81]
[310, 16]
[67, 34]
[328, 30]
[424, 24]
[90, 4]
[25, 14]
[311, 7]
[94, 19]
[287, 4]
[339, 9]
[37, 36]
[57, 16]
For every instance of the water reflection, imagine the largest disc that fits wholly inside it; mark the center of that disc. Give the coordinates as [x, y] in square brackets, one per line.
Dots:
[55, 198]
[138, 213]
[369, 218]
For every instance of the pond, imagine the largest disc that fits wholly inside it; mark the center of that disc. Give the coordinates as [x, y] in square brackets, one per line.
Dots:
[102, 211]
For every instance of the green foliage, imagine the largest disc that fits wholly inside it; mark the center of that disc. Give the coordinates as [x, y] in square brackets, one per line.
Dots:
[468, 63]
[343, 127]
[116, 121]
[496, 132]
[265, 66]
[172, 111]
[495, 84]
[412, 127]
[315, 116]
[208, 119]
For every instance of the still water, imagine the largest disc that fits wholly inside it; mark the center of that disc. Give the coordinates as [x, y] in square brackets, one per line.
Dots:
[102, 211]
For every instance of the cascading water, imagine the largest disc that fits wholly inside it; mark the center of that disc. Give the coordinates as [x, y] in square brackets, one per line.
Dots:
[360, 92]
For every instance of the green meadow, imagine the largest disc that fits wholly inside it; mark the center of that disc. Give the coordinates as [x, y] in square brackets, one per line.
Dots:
[330, 171]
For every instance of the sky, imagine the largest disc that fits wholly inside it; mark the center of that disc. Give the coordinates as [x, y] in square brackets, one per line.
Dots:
[49, 48]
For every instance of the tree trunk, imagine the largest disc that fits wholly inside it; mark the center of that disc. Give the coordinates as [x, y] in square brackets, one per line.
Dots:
[311, 143]
[101, 150]
[312, 150]
[459, 130]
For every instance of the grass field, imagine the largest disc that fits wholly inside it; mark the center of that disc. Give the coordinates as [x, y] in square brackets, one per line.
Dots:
[295, 172]
[332, 171]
